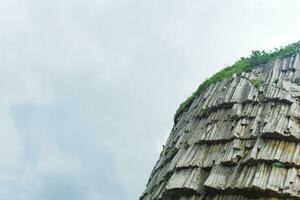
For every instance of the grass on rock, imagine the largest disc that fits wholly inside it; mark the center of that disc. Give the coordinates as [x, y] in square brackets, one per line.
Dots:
[257, 58]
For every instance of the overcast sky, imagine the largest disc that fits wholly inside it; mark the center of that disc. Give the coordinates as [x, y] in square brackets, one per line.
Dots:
[89, 88]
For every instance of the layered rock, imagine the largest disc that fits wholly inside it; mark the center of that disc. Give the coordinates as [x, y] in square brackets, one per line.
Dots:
[238, 140]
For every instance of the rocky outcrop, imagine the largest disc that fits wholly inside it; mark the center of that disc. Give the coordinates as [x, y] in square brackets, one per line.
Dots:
[239, 139]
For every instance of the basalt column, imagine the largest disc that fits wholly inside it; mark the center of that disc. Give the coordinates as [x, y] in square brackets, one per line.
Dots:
[239, 139]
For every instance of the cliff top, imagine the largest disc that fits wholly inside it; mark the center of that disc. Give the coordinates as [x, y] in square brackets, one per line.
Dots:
[257, 58]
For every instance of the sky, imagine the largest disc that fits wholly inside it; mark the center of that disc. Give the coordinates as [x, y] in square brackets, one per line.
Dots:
[89, 88]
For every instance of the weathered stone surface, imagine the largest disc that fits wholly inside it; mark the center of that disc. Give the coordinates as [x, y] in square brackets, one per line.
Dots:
[236, 140]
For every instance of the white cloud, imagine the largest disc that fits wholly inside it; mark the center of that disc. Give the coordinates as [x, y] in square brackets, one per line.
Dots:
[10, 144]
[53, 160]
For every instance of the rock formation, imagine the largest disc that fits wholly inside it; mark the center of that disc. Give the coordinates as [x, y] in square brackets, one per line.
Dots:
[239, 139]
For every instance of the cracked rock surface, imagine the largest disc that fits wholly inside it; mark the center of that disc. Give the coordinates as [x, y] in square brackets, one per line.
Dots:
[238, 140]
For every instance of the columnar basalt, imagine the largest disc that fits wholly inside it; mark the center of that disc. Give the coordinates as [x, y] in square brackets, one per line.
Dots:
[239, 139]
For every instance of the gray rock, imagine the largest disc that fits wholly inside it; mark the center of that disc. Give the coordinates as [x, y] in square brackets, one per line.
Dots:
[236, 141]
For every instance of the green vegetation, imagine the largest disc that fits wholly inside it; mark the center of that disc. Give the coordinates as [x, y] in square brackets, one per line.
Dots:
[256, 59]
[278, 164]
[276, 81]
[256, 82]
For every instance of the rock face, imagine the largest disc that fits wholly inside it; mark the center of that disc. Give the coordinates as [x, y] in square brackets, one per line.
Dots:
[240, 139]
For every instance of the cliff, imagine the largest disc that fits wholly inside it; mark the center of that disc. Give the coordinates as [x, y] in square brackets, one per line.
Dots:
[237, 139]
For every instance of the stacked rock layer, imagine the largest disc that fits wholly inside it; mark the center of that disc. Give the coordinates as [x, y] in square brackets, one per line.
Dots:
[240, 139]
